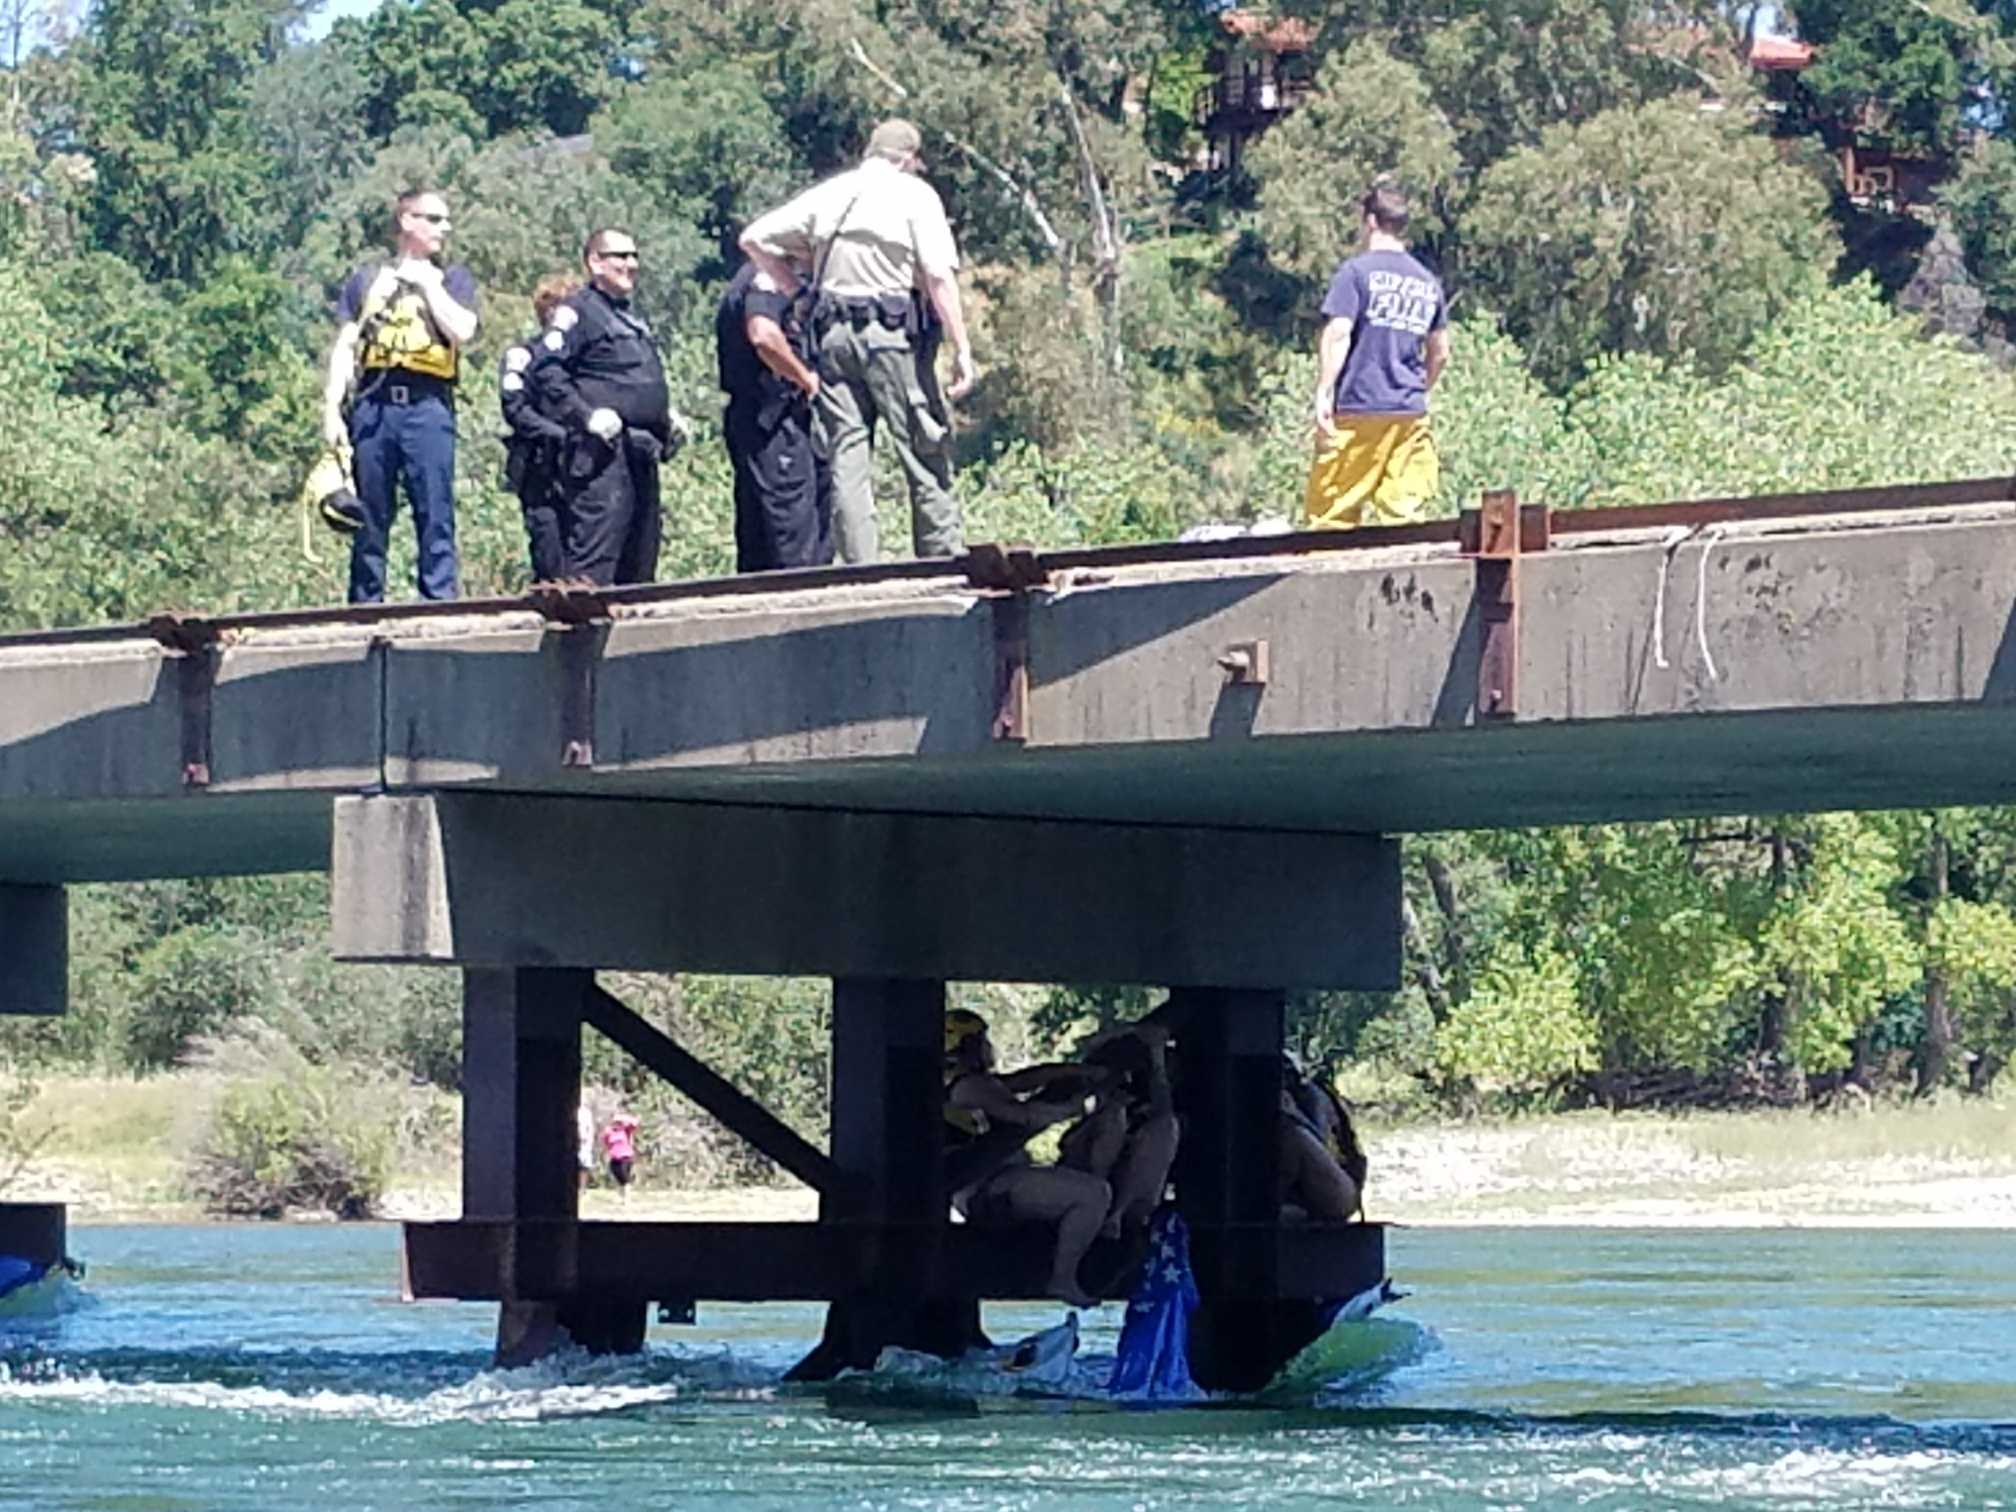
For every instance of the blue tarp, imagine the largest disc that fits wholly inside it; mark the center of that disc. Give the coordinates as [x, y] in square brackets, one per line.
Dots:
[16, 1273]
[1153, 1361]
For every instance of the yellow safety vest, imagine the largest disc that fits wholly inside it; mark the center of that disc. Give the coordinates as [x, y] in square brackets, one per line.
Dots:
[396, 330]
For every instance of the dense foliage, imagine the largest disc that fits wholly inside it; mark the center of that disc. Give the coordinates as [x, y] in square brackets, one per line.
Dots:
[1646, 253]
[284, 1135]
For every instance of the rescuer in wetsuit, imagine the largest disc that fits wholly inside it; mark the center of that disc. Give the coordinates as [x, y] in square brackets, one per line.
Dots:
[532, 442]
[979, 1099]
[783, 486]
[598, 374]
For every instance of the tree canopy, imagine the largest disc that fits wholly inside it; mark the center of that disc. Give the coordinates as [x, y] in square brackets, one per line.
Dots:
[1644, 249]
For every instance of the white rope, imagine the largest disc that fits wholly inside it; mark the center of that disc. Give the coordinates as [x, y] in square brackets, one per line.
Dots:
[1708, 540]
[1674, 537]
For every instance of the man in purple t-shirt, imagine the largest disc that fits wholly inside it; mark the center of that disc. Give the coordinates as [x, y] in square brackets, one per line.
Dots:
[1385, 341]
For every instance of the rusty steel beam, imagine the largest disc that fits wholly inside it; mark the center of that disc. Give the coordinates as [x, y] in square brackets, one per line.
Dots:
[556, 1261]
[1018, 568]
[739, 1113]
[1494, 536]
[1694, 513]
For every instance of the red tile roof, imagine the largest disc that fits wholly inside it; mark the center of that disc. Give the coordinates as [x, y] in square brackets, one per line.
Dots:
[1780, 54]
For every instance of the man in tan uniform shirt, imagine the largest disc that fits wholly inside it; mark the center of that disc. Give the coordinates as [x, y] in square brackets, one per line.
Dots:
[885, 266]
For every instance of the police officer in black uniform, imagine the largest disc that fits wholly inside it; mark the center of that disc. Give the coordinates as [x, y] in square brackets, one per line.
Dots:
[783, 486]
[598, 374]
[533, 444]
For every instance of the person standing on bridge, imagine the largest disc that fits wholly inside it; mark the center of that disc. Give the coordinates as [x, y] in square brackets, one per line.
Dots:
[886, 291]
[783, 483]
[532, 441]
[397, 354]
[599, 376]
[1385, 341]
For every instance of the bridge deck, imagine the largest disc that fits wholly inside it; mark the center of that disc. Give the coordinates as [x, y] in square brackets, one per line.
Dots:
[1854, 659]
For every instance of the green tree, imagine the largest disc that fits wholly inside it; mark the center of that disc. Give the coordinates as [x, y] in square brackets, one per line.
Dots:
[1834, 947]
[239, 371]
[1820, 401]
[306, 110]
[1504, 71]
[1373, 117]
[165, 91]
[708, 148]
[1981, 203]
[285, 1134]
[1524, 1030]
[1904, 76]
[121, 329]
[486, 68]
[1658, 229]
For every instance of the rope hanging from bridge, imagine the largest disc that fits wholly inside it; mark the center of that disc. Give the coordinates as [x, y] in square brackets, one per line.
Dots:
[1675, 537]
[1709, 537]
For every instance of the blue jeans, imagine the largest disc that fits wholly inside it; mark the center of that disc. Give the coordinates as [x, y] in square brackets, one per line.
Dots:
[414, 441]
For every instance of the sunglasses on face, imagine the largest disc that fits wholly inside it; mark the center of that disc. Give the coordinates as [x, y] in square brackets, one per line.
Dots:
[432, 217]
[627, 255]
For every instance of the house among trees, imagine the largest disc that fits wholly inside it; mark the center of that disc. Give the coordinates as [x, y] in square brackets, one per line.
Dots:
[1877, 175]
[1263, 67]
[1260, 70]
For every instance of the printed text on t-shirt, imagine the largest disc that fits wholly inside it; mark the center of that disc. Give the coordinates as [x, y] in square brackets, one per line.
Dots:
[1400, 302]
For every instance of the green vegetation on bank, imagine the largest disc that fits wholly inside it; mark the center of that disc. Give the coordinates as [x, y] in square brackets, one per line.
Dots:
[1661, 291]
[125, 1146]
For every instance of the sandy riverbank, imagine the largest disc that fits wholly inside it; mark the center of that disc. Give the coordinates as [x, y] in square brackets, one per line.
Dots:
[1948, 1165]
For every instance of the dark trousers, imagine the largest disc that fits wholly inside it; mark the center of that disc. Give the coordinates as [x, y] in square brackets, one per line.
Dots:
[545, 515]
[783, 488]
[413, 441]
[611, 507]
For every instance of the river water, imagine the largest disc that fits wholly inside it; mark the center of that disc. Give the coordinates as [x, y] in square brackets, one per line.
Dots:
[271, 1367]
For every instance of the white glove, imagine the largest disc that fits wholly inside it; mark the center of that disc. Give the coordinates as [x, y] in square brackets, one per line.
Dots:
[606, 424]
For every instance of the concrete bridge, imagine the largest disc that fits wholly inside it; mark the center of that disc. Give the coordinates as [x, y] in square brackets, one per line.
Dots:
[1179, 766]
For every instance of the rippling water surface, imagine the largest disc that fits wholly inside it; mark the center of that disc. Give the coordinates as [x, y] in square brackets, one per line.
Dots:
[270, 1367]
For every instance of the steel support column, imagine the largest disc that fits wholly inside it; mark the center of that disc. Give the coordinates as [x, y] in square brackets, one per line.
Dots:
[887, 1099]
[34, 949]
[521, 1085]
[1228, 1172]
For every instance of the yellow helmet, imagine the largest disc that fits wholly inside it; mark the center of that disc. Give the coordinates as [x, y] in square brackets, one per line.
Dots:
[961, 1024]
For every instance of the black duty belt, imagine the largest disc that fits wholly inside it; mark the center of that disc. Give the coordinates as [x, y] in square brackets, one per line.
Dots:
[891, 310]
[396, 387]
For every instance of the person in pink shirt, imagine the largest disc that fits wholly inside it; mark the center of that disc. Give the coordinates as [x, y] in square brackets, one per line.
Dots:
[619, 1143]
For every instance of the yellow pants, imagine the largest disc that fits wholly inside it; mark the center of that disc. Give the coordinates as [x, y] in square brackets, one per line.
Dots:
[1373, 471]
